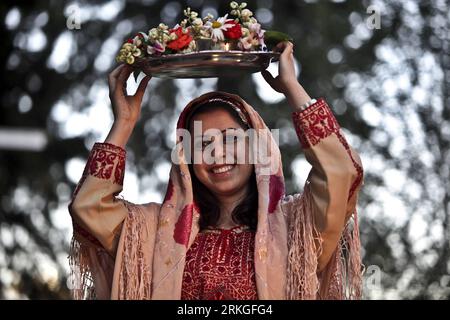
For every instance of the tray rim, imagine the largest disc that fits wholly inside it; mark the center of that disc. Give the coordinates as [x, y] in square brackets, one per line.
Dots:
[146, 62]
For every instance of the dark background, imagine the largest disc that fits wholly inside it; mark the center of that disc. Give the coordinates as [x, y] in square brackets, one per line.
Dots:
[389, 88]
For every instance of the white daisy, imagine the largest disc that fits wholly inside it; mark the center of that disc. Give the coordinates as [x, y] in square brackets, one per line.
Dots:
[218, 27]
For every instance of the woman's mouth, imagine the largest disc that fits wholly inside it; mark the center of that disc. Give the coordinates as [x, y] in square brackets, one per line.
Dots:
[222, 170]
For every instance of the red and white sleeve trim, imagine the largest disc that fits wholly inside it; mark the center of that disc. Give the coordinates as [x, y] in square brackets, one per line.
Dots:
[107, 160]
[314, 123]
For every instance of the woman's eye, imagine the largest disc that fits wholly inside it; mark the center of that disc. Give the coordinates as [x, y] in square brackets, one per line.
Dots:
[202, 144]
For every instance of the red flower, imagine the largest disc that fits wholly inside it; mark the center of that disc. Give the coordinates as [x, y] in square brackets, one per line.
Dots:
[235, 32]
[182, 41]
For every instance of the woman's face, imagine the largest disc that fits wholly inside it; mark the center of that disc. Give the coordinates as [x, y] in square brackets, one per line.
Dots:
[220, 152]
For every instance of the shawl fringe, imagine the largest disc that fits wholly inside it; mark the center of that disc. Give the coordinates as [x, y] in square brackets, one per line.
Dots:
[341, 278]
[80, 280]
[92, 268]
[135, 273]
[304, 243]
[353, 264]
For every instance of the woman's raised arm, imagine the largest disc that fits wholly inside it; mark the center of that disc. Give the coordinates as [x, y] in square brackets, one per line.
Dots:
[337, 173]
[96, 212]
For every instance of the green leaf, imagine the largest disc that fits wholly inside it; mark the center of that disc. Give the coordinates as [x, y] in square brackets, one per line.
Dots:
[272, 38]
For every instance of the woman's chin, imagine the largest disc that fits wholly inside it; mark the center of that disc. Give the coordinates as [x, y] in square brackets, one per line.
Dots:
[224, 189]
[225, 182]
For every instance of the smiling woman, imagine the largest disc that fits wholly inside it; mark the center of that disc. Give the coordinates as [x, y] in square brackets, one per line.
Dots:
[225, 229]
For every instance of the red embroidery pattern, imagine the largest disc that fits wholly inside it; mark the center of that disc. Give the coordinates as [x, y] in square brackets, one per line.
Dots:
[220, 265]
[119, 173]
[276, 192]
[314, 124]
[358, 168]
[102, 160]
[183, 225]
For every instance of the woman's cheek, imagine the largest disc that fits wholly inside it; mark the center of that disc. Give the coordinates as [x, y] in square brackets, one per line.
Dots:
[202, 174]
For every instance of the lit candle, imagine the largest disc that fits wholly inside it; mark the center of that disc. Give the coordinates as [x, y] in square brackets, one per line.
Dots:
[227, 46]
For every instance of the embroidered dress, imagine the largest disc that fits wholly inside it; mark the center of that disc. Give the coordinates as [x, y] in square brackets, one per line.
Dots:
[220, 266]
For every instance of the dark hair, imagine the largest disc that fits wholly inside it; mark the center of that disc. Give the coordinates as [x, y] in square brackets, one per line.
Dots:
[246, 212]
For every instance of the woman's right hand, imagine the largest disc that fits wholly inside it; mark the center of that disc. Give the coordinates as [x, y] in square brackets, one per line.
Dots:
[126, 108]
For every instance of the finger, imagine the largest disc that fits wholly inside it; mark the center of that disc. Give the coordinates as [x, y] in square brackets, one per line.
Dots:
[287, 53]
[117, 70]
[121, 83]
[287, 47]
[124, 74]
[281, 46]
[112, 77]
[141, 88]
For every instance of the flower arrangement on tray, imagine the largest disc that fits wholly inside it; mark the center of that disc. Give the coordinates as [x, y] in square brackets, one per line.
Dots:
[237, 30]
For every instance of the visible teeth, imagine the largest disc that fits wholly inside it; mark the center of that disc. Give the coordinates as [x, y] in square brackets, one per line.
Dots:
[222, 169]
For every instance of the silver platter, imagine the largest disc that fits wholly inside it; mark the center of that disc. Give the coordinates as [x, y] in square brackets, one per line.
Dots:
[206, 64]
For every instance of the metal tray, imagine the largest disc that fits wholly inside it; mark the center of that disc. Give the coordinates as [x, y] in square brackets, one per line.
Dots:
[206, 64]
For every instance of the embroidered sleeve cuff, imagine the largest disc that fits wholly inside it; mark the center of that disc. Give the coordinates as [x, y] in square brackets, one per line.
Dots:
[314, 123]
[107, 161]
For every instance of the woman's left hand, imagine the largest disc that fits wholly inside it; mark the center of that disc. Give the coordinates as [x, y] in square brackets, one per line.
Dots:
[286, 70]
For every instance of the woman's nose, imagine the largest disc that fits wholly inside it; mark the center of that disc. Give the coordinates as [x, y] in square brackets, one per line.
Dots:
[218, 151]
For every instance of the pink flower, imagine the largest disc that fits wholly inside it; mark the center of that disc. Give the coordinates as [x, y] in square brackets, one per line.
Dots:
[248, 42]
[156, 48]
[254, 38]
[255, 28]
